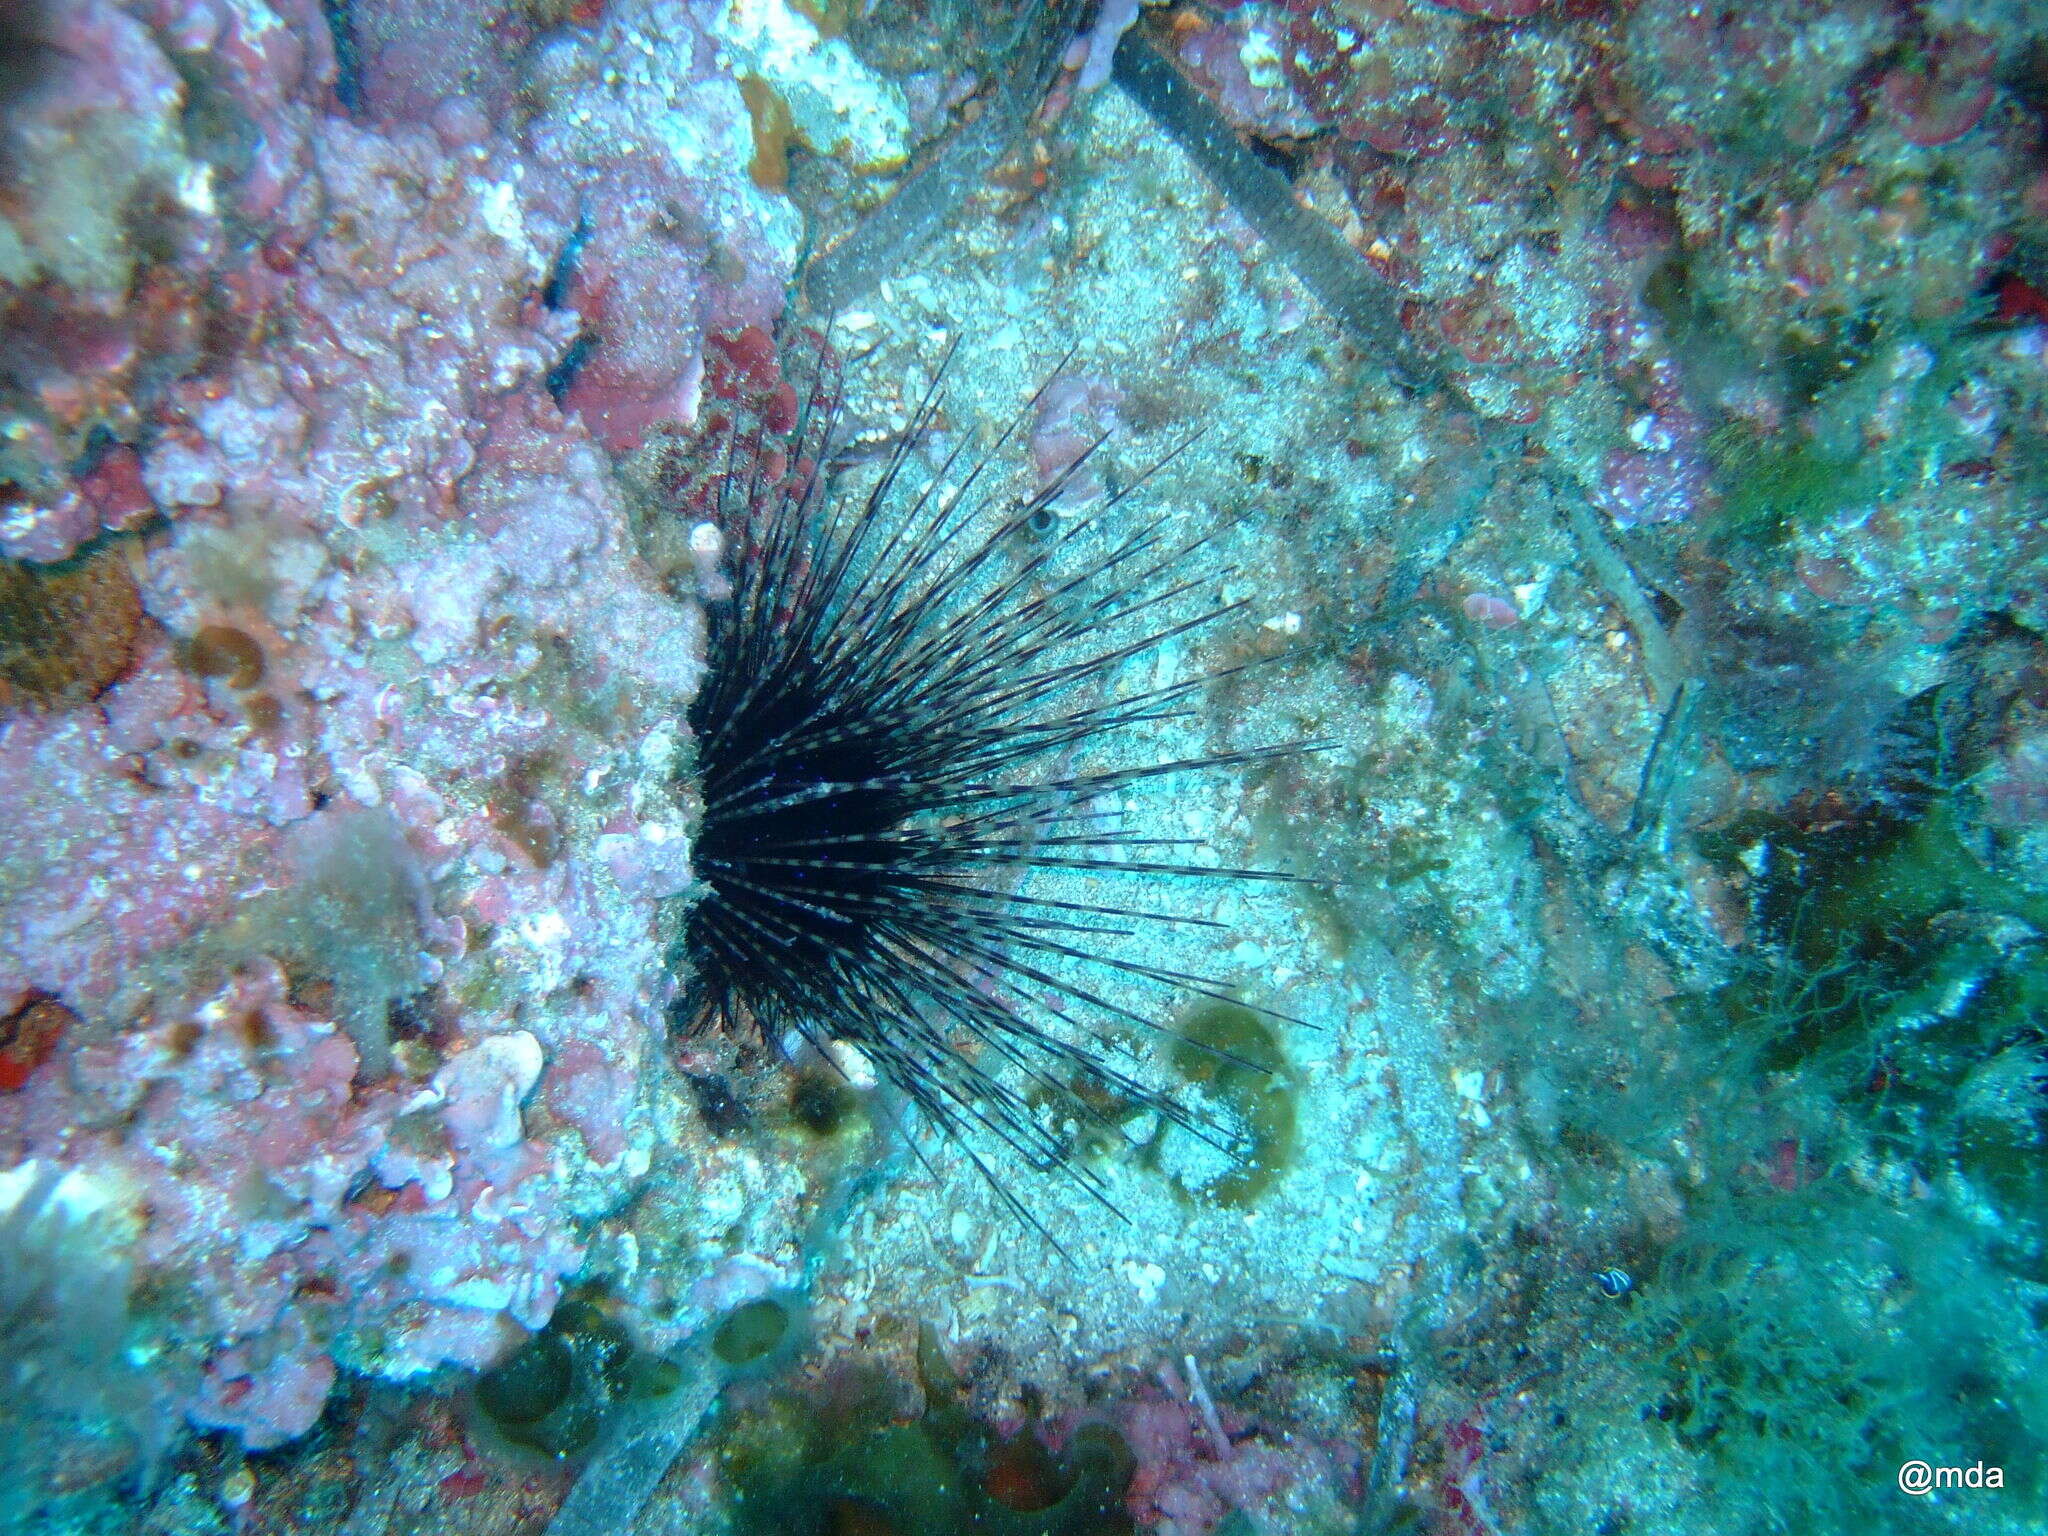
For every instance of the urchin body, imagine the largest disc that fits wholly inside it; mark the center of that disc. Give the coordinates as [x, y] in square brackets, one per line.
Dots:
[898, 685]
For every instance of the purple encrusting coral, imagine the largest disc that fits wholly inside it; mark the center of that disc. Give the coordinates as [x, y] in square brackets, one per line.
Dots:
[349, 882]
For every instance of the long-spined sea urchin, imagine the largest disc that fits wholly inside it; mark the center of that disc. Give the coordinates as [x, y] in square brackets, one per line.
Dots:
[897, 683]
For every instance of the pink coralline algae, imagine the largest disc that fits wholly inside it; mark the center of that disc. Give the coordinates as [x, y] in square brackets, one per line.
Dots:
[1781, 170]
[237, 1125]
[1943, 94]
[1191, 1473]
[1490, 610]
[349, 885]
[2015, 789]
[1112, 20]
[1213, 53]
[1073, 415]
[94, 172]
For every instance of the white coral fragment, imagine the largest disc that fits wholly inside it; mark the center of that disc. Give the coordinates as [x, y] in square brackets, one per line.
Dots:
[838, 105]
[484, 1086]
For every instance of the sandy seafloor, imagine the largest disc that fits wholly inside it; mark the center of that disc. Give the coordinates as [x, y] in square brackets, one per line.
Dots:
[1406, 1160]
[1360, 1204]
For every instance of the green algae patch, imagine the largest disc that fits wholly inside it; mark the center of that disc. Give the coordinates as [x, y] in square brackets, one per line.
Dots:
[1851, 1286]
[1882, 927]
[556, 1394]
[752, 1332]
[843, 1456]
[1233, 1056]
[821, 1105]
[1774, 484]
[529, 1386]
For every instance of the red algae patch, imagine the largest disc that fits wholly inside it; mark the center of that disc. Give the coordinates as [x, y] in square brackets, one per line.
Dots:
[27, 1036]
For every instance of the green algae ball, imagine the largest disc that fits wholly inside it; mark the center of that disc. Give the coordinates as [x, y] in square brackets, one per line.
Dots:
[557, 1392]
[1232, 1054]
[751, 1332]
[529, 1385]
